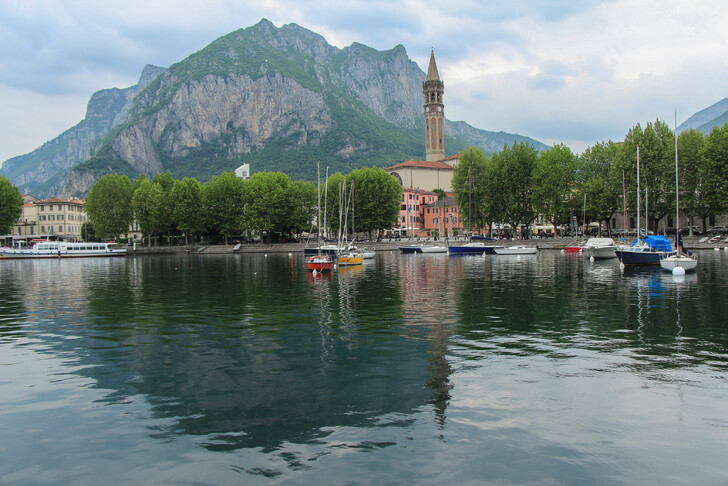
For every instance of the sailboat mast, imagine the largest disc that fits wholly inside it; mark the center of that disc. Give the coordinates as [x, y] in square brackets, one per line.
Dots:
[638, 192]
[677, 191]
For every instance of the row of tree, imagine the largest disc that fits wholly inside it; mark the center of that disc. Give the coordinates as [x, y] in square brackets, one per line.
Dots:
[518, 184]
[268, 204]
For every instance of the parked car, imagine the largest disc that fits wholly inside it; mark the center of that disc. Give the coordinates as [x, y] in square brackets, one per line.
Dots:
[717, 230]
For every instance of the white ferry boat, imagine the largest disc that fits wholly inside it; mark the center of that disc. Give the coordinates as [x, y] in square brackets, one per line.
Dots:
[63, 249]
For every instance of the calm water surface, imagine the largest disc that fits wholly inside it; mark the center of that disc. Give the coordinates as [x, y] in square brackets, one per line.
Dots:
[413, 369]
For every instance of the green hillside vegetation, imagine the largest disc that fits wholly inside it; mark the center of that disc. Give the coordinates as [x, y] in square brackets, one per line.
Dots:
[706, 128]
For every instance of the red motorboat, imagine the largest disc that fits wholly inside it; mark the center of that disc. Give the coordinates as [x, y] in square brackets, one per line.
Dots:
[574, 249]
[319, 263]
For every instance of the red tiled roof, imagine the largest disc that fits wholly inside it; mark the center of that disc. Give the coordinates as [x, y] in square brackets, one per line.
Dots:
[422, 164]
[418, 191]
[58, 200]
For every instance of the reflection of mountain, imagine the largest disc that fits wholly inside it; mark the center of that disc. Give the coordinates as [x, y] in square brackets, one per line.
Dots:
[244, 350]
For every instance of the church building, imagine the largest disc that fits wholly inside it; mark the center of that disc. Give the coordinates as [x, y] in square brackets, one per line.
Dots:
[436, 171]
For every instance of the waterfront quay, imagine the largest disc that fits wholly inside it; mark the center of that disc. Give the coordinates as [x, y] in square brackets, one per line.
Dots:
[391, 244]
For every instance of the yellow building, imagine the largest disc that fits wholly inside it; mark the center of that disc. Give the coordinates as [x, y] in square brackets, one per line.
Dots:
[55, 217]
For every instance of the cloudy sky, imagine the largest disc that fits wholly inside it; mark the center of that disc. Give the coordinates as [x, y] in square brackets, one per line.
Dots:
[559, 71]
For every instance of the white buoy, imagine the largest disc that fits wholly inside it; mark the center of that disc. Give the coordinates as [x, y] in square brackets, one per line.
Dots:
[518, 258]
[716, 249]
[591, 259]
[265, 255]
[563, 251]
[290, 254]
[678, 271]
[314, 272]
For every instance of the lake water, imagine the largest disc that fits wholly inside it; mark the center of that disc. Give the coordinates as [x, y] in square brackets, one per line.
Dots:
[413, 369]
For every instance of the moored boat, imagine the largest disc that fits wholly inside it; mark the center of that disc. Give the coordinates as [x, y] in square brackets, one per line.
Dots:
[434, 249]
[647, 251]
[368, 253]
[600, 248]
[411, 248]
[475, 248]
[319, 263]
[350, 257]
[63, 249]
[517, 250]
[677, 259]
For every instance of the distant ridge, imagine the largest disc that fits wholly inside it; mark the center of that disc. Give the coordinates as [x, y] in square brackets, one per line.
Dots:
[705, 120]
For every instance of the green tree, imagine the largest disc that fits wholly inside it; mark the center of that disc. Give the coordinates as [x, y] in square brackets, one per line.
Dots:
[376, 200]
[600, 182]
[553, 178]
[187, 210]
[508, 184]
[223, 198]
[148, 203]
[692, 202]
[714, 169]
[166, 182]
[469, 184]
[299, 201]
[11, 205]
[108, 205]
[657, 169]
[266, 202]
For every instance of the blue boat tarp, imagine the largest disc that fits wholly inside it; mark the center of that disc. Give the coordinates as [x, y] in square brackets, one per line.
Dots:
[657, 242]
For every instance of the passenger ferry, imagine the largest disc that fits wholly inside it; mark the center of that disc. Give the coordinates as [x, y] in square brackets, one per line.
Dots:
[63, 249]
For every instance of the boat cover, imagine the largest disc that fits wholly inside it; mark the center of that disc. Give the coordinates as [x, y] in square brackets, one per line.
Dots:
[657, 242]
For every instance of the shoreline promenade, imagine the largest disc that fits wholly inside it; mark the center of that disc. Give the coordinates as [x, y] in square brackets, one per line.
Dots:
[691, 243]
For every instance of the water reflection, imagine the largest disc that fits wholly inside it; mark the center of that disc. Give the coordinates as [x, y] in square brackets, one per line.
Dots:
[249, 364]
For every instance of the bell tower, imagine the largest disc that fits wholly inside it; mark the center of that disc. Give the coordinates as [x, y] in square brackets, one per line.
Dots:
[433, 90]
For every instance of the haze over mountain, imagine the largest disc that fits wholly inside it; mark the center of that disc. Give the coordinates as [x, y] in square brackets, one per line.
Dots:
[277, 98]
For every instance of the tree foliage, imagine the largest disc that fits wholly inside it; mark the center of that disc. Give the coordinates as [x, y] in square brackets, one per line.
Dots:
[108, 205]
[11, 205]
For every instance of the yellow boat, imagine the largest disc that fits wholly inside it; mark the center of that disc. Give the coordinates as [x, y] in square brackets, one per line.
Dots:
[351, 257]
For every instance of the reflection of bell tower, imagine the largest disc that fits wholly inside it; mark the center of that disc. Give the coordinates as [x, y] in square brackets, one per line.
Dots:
[433, 89]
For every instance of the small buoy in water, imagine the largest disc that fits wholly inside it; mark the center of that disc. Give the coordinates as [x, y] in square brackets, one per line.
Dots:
[581, 250]
[314, 272]
[563, 251]
[290, 254]
[335, 266]
[265, 255]
[678, 271]
[591, 259]
[518, 258]
[716, 249]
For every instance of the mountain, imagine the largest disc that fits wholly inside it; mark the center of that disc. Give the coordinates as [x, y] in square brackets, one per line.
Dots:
[705, 120]
[276, 98]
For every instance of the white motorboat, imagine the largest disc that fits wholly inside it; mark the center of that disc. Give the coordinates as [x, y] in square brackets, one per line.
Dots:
[600, 248]
[433, 249]
[517, 250]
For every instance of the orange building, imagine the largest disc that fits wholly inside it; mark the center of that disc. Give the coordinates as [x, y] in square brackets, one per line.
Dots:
[410, 221]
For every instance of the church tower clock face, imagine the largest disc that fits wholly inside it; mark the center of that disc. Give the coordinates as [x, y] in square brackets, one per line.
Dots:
[433, 89]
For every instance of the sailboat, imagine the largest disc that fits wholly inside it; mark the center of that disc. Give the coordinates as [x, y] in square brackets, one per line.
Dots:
[678, 259]
[647, 251]
[320, 262]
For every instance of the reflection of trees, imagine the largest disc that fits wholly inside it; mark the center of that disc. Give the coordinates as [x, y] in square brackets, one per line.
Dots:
[12, 306]
[555, 303]
[278, 357]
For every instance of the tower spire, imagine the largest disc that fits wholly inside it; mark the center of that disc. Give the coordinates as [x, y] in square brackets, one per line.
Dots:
[433, 89]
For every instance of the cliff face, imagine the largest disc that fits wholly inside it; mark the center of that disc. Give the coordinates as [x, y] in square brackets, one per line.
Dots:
[277, 98]
[45, 168]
